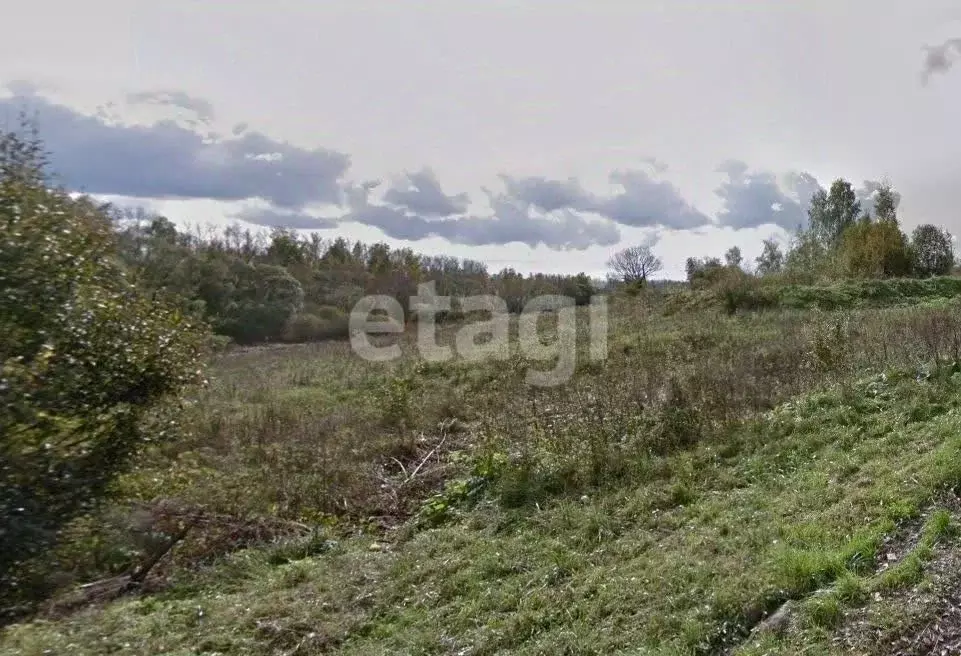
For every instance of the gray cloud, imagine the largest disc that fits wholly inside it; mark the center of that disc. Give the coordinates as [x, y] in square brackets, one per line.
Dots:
[561, 229]
[940, 58]
[644, 201]
[866, 195]
[167, 161]
[548, 195]
[656, 164]
[22, 88]
[803, 186]
[511, 222]
[524, 213]
[647, 203]
[357, 194]
[753, 199]
[421, 193]
[199, 107]
[275, 219]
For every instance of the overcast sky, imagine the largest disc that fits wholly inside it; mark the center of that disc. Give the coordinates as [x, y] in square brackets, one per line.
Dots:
[539, 134]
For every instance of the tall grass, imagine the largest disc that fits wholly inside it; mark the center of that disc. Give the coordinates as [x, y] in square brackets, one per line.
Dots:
[312, 438]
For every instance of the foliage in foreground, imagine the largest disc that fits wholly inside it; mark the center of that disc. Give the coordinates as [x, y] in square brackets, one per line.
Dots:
[85, 357]
[687, 560]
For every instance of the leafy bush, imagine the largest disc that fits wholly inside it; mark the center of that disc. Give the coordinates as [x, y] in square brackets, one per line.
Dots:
[396, 402]
[875, 250]
[326, 323]
[829, 343]
[741, 291]
[931, 250]
[264, 297]
[84, 359]
[748, 293]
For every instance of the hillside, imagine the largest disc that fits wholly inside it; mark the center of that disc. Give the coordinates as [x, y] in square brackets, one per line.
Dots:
[712, 473]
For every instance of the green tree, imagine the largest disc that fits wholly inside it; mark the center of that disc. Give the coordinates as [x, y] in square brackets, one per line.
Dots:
[579, 287]
[771, 259]
[832, 212]
[285, 248]
[875, 250]
[262, 299]
[886, 204]
[932, 251]
[733, 257]
[339, 252]
[378, 259]
[807, 255]
[85, 359]
[704, 272]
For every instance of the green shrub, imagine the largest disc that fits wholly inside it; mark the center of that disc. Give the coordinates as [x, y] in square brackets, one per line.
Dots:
[829, 343]
[824, 611]
[396, 402]
[84, 360]
[264, 297]
[740, 291]
[678, 423]
[326, 323]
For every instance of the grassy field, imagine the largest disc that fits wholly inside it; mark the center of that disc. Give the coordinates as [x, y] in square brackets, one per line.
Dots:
[769, 482]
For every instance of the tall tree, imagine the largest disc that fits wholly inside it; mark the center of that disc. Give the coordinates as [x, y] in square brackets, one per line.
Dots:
[886, 204]
[806, 254]
[832, 212]
[932, 251]
[634, 264]
[733, 257]
[771, 259]
[262, 298]
[875, 250]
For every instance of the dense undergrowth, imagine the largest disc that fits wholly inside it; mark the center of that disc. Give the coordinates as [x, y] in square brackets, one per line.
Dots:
[750, 294]
[666, 500]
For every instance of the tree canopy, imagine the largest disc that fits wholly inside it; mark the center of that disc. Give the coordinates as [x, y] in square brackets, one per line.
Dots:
[634, 264]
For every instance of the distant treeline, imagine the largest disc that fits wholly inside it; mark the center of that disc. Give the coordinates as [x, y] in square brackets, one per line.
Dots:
[280, 285]
[831, 261]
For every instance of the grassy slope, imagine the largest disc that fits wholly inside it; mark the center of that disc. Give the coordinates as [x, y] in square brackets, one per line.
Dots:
[685, 556]
[871, 293]
[703, 548]
[846, 295]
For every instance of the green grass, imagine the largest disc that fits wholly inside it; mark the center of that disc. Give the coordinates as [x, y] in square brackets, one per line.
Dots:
[889, 615]
[664, 501]
[796, 508]
[870, 293]
[846, 295]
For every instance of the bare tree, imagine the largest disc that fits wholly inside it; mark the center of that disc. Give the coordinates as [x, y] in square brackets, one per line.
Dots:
[634, 264]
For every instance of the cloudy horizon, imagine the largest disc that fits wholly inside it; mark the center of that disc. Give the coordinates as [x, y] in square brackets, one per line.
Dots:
[538, 136]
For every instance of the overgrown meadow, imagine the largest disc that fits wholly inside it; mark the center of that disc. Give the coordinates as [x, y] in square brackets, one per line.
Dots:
[712, 471]
[195, 460]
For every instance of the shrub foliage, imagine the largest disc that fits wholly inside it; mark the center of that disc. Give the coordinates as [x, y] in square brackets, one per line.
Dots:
[85, 357]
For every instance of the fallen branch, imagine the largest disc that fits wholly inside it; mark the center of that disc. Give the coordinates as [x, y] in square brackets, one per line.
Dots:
[426, 458]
